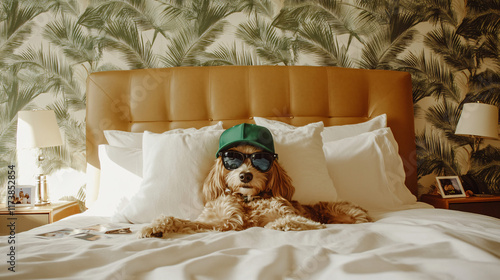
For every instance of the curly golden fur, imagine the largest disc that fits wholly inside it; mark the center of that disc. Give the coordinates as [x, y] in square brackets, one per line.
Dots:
[233, 202]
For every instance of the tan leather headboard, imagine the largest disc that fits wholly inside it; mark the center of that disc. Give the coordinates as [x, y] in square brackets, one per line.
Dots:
[181, 97]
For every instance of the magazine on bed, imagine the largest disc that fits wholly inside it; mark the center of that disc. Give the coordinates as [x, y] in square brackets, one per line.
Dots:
[108, 228]
[90, 233]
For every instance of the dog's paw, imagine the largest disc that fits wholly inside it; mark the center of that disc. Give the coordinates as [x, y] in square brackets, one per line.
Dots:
[294, 223]
[347, 213]
[149, 232]
[361, 216]
[158, 228]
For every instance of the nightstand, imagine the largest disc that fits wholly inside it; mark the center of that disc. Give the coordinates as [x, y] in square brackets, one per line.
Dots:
[26, 218]
[486, 205]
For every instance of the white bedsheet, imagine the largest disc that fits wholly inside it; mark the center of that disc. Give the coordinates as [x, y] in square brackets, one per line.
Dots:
[410, 244]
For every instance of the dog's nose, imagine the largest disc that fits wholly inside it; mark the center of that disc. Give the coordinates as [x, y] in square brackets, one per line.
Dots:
[246, 177]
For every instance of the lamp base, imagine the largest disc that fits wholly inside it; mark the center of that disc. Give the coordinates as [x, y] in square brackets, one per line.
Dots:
[42, 191]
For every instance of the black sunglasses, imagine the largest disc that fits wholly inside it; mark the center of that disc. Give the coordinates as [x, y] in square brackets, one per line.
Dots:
[233, 159]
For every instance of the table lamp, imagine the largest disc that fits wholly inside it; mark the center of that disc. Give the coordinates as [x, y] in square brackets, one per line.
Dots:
[38, 129]
[478, 120]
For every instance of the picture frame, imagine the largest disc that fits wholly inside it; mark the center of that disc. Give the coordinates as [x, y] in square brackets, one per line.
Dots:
[450, 186]
[24, 195]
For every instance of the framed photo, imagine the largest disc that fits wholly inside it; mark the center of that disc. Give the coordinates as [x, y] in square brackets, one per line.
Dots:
[450, 186]
[24, 196]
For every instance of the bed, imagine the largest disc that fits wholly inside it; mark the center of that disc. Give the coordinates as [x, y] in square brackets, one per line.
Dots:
[342, 134]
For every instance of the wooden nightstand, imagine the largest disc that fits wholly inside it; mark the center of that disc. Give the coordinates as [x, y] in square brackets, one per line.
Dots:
[486, 205]
[26, 218]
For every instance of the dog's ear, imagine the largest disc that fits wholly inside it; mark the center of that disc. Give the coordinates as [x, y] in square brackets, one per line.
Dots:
[214, 185]
[279, 182]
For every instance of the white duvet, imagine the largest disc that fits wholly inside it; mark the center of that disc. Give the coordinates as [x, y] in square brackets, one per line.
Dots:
[410, 244]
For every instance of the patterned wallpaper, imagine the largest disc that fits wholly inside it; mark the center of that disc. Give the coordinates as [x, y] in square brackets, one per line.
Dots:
[49, 47]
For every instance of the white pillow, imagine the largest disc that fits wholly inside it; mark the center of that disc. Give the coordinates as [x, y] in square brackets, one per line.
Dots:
[367, 170]
[337, 132]
[121, 176]
[175, 166]
[134, 139]
[300, 153]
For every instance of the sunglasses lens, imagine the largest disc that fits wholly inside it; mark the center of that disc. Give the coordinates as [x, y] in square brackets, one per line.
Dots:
[262, 161]
[232, 160]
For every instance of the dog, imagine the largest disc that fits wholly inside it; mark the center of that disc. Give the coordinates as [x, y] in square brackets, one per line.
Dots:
[247, 187]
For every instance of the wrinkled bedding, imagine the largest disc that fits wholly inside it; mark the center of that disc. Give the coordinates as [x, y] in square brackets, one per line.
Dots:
[408, 244]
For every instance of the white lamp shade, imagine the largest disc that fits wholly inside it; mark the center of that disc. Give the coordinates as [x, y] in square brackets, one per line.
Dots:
[37, 129]
[478, 119]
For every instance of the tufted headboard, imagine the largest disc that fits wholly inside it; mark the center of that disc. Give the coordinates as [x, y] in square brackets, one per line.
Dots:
[181, 97]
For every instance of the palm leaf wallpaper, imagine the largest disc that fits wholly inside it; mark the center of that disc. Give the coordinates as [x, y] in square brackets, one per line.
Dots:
[451, 47]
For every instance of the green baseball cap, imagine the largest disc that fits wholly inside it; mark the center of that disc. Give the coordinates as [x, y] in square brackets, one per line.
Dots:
[246, 133]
